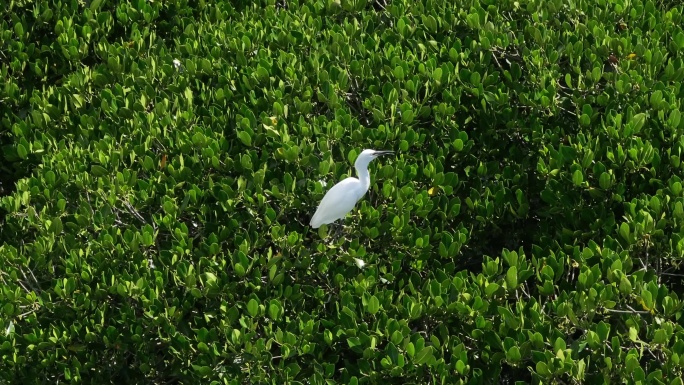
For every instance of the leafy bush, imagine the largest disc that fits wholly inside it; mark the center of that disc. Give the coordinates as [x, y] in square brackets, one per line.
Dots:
[161, 161]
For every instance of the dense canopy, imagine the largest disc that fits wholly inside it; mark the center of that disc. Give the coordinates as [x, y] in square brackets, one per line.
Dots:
[161, 161]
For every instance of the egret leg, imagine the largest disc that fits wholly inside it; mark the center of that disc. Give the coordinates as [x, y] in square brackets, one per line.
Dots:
[335, 236]
[340, 228]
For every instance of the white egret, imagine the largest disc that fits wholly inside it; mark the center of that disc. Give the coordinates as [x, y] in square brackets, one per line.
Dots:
[342, 197]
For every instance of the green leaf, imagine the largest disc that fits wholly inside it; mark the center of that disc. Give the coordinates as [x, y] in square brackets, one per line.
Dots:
[98, 171]
[430, 23]
[328, 337]
[253, 307]
[638, 122]
[351, 155]
[660, 337]
[543, 369]
[625, 286]
[513, 354]
[435, 288]
[423, 356]
[633, 334]
[399, 73]
[655, 204]
[198, 139]
[674, 119]
[275, 309]
[460, 367]
[512, 278]
[148, 236]
[491, 288]
[373, 305]
[239, 270]
[246, 161]
[437, 75]
[22, 151]
[19, 30]
[407, 117]
[415, 310]
[169, 207]
[475, 78]
[353, 342]
[148, 163]
[202, 370]
[605, 181]
[95, 4]
[577, 178]
[624, 231]
[245, 138]
[56, 226]
[679, 40]
[569, 153]
[655, 100]
[603, 330]
[585, 120]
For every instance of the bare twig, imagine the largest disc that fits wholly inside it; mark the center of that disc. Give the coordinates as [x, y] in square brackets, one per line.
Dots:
[27, 313]
[630, 311]
[672, 274]
[134, 212]
[28, 281]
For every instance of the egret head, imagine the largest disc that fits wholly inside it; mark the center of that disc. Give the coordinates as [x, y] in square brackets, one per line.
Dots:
[366, 156]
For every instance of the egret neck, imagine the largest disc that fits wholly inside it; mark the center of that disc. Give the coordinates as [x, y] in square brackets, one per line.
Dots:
[361, 166]
[362, 174]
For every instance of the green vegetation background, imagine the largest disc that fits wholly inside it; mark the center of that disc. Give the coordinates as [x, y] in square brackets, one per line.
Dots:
[161, 160]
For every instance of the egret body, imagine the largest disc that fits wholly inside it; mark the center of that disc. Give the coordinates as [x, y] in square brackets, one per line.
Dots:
[342, 197]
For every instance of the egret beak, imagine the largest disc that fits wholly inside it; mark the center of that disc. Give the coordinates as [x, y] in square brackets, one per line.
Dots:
[379, 153]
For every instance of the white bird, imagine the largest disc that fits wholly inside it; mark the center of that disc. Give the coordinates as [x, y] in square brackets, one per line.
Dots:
[342, 197]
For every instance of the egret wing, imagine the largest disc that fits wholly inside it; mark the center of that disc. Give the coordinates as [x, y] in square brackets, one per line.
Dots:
[337, 202]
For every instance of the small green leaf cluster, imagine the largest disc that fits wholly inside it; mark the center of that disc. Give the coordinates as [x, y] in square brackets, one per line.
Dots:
[161, 161]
